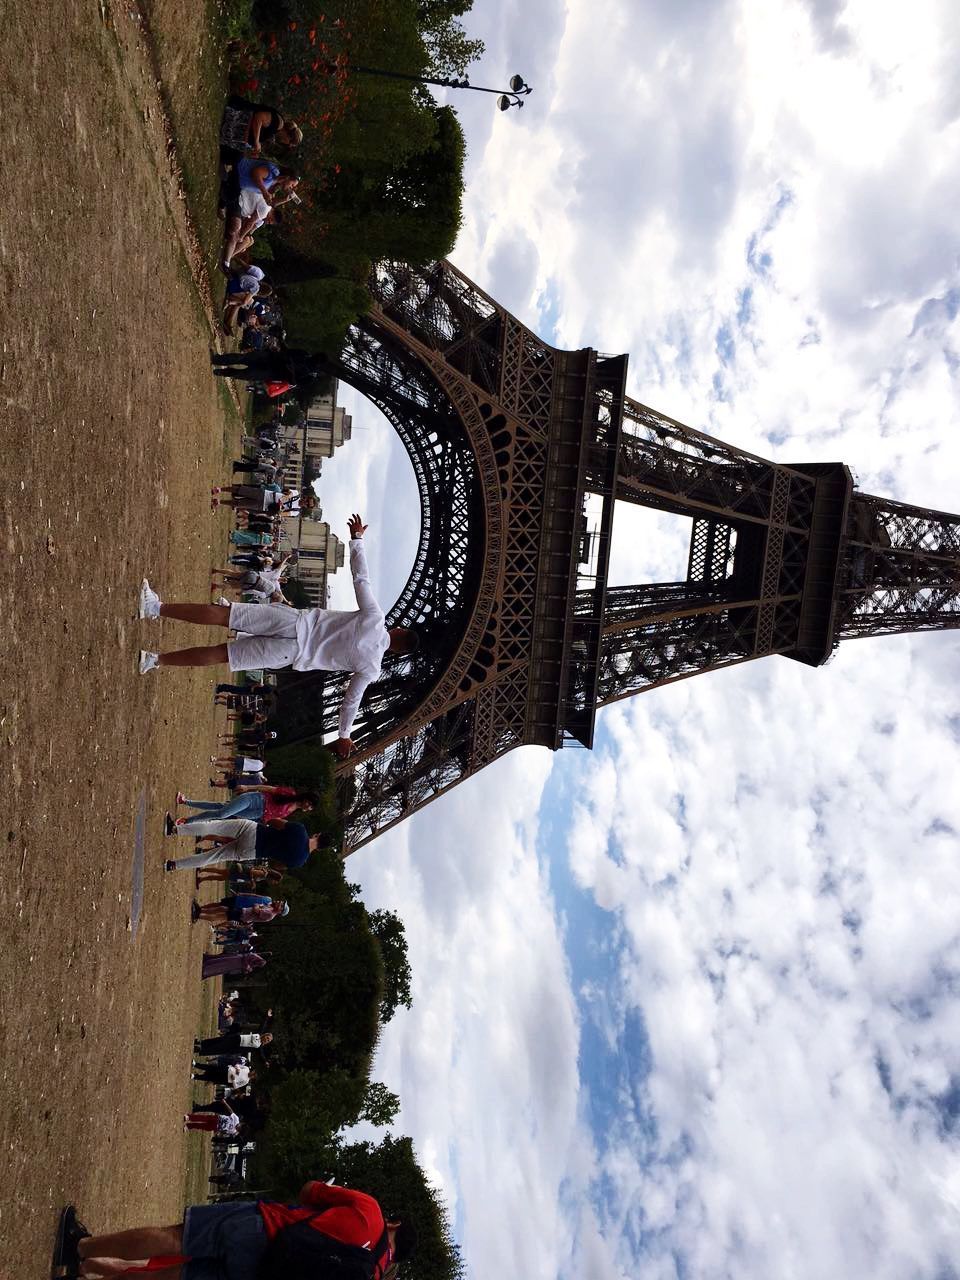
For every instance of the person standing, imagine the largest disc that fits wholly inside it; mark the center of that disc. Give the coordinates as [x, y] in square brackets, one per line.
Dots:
[282, 843]
[233, 1239]
[292, 365]
[275, 635]
[220, 966]
[225, 1125]
[234, 1075]
[257, 803]
[243, 908]
[232, 1042]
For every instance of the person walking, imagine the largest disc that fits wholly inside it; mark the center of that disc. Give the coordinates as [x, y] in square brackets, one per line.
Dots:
[279, 842]
[258, 803]
[237, 1238]
[275, 635]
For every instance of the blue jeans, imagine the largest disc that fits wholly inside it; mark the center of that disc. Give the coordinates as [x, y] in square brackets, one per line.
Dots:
[250, 806]
[223, 1241]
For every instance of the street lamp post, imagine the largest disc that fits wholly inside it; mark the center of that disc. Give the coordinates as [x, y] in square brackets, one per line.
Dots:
[506, 98]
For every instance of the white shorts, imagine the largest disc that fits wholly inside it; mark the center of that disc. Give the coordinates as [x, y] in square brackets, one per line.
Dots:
[268, 639]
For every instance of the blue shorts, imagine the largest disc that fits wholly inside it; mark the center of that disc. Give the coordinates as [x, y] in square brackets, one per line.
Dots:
[223, 1241]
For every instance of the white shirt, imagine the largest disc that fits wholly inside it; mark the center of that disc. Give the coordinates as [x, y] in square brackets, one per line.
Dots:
[228, 1124]
[238, 1076]
[252, 204]
[251, 1041]
[345, 640]
[267, 583]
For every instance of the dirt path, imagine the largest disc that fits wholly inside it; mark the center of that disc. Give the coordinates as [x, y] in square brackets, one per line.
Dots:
[112, 432]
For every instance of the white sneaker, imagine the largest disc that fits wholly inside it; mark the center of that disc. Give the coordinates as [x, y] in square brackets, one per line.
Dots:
[223, 600]
[149, 601]
[148, 661]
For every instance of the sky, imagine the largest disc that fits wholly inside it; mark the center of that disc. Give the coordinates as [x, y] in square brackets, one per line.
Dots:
[687, 1005]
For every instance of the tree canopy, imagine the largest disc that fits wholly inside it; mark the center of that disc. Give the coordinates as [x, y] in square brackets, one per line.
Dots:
[387, 928]
[381, 163]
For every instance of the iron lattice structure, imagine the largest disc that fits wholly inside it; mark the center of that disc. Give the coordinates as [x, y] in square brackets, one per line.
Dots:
[520, 452]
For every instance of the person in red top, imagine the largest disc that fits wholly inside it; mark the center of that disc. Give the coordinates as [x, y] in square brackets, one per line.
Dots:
[261, 804]
[228, 1241]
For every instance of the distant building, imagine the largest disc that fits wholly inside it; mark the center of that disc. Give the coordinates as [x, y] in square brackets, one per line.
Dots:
[324, 428]
[320, 553]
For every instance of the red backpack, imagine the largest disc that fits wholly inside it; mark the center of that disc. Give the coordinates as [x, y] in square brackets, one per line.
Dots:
[300, 1251]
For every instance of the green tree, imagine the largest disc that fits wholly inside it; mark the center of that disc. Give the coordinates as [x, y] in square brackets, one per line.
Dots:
[390, 1173]
[450, 49]
[318, 313]
[380, 1106]
[309, 765]
[387, 928]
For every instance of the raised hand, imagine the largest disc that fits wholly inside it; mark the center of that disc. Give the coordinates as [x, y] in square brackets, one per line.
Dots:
[356, 526]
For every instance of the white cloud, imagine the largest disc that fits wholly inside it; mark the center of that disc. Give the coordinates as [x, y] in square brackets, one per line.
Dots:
[756, 200]
[485, 1062]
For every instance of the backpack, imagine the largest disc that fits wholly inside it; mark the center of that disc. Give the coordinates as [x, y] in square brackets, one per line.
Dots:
[300, 1252]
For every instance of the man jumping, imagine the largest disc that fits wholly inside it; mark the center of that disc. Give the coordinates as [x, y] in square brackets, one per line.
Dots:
[277, 635]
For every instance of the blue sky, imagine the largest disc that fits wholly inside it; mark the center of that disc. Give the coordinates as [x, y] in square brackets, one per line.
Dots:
[688, 1003]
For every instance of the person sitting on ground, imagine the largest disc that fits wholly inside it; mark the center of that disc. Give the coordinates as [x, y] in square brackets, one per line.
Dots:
[247, 127]
[238, 1238]
[242, 288]
[248, 214]
[275, 635]
[253, 336]
[279, 842]
[270, 182]
[275, 182]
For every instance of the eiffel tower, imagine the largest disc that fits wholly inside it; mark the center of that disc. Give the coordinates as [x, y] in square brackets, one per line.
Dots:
[521, 452]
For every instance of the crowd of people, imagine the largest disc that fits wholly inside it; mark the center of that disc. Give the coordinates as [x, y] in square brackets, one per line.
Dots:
[248, 838]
